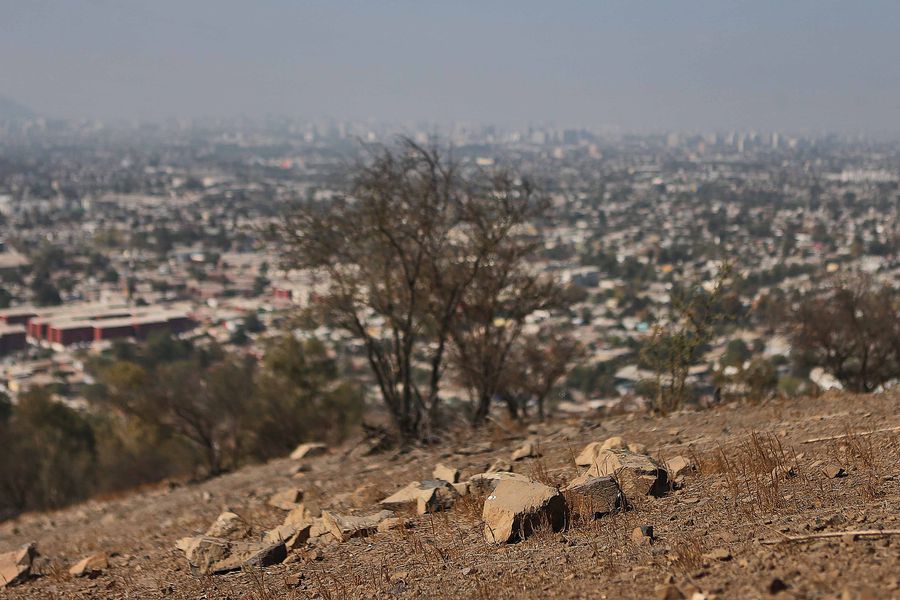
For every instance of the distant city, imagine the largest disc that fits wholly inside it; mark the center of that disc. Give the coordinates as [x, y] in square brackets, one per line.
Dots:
[114, 232]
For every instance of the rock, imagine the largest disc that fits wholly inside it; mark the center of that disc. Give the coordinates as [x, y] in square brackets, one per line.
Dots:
[303, 514]
[500, 466]
[588, 454]
[461, 488]
[95, 563]
[344, 527]
[446, 473]
[638, 475]
[228, 526]
[308, 450]
[15, 566]
[366, 495]
[643, 535]
[721, 554]
[210, 555]
[637, 448]
[293, 536]
[594, 497]
[516, 508]
[286, 499]
[526, 450]
[777, 585]
[669, 592]
[436, 499]
[428, 496]
[391, 524]
[833, 471]
[484, 483]
[614, 443]
[678, 467]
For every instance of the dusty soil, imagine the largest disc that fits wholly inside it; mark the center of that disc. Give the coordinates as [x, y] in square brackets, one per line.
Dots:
[729, 505]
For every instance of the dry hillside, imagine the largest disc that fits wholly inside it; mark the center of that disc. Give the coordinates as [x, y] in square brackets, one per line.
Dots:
[767, 508]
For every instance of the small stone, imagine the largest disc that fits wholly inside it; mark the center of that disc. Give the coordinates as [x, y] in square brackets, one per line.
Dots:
[293, 536]
[484, 483]
[366, 495]
[229, 526]
[500, 466]
[15, 566]
[720, 554]
[678, 467]
[668, 592]
[424, 490]
[436, 499]
[90, 565]
[614, 443]
[286, 499]
[642, 535]
[637, 448]
[211, 556]
[777, 585]
[594, 497]
[833, 471]
[345, 527]
[303, 514]
[308, 450]
[526, 450]
[392, 524]
[637, 475]
[448, 474]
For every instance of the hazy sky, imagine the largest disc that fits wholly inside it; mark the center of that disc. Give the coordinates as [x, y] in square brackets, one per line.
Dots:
[795, 65]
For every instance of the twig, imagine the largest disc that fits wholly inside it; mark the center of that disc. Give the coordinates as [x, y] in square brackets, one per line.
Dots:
[844, 435]
[832, 534]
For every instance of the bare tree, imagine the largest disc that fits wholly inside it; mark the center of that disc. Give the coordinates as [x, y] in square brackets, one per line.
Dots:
[677, 338]
[403, 253]
[853, 331]
[539, 361]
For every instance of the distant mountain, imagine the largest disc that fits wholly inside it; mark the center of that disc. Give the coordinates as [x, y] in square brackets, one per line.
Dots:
[11, 110]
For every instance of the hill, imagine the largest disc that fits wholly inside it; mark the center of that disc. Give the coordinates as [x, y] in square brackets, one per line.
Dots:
[789, 498]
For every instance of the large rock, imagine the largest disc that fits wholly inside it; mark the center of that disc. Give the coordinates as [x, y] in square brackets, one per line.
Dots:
[637, 474]
[286, 499]
[445, 473]
[516, 508]
[95, 563]
[211, 556]
[15, 566]
[229, 526]
[344, 527]
[308, 450]
[594, 497]
[484, 483]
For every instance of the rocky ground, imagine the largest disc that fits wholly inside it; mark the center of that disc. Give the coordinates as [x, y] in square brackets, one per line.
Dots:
[765, 503]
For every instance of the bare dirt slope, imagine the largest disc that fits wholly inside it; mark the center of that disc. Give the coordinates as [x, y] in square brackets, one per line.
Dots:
[729, 532]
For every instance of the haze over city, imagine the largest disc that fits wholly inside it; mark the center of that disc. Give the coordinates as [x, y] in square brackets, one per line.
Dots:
[399, 300]
[801, 67]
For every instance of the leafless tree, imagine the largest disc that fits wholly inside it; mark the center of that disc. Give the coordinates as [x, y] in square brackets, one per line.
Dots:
[409, 254]
[852, 330]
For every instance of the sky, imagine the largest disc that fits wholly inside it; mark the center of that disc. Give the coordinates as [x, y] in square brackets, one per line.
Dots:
[630, 65]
